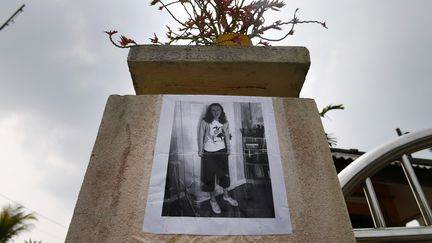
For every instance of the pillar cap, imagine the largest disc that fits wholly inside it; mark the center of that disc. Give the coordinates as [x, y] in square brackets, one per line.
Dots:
[277, 71]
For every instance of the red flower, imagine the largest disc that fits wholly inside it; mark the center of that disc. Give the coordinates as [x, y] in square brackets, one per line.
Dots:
[124, 41]
[111, 32]
[154, 40]
[264, 43]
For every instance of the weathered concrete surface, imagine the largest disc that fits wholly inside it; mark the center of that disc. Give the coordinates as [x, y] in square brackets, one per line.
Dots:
[113, 196]
[224, 70]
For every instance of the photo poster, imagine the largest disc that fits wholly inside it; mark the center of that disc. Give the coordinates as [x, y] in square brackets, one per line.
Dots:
[217, 168]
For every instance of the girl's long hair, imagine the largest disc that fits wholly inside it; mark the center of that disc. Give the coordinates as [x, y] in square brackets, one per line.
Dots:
[209, 116]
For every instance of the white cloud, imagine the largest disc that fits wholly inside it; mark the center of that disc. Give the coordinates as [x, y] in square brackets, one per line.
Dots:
[30, 156]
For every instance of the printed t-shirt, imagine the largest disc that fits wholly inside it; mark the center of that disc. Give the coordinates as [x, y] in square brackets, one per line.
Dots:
[215, 137]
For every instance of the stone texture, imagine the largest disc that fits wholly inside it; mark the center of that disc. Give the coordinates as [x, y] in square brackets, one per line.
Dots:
[113, 196]
[224, 70]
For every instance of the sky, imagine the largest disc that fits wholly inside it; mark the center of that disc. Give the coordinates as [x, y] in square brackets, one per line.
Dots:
[57, 70]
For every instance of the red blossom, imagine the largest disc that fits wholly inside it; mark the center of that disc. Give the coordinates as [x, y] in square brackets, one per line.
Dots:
[190, 23]
[169, 29]
[223, 5]
[249, 8]
[111, 32]
[169, 33]
[264, 43]
[154, 40]
[124, 41]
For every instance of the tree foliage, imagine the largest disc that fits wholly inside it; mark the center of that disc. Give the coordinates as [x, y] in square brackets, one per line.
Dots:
[13, 221]
[330, 139]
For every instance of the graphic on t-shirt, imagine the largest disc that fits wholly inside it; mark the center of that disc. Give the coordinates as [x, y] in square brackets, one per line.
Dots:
[216, 132]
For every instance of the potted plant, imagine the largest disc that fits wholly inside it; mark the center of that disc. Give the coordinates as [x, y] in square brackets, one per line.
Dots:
[221, 22]
[203, 67]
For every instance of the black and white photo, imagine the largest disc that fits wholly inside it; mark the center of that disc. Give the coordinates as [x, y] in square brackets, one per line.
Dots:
[217, 162]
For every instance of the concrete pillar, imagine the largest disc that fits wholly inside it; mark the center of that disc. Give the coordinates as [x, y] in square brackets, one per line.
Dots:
[112, 200]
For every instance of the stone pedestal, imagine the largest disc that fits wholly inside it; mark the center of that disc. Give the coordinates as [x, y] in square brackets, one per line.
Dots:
[112, 200]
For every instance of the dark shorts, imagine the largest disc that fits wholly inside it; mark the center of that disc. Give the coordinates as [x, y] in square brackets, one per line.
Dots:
[214, 166]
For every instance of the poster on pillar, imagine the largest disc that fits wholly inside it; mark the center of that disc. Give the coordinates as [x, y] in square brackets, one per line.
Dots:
[217, 168]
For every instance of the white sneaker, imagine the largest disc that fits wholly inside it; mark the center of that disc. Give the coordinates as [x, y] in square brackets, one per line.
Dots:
[231, 201]
[215, 207]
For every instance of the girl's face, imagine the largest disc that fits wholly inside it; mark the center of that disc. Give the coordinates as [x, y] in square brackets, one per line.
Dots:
[216, 111]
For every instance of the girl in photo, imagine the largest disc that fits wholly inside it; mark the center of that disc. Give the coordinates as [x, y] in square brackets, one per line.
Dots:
[214, 148]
